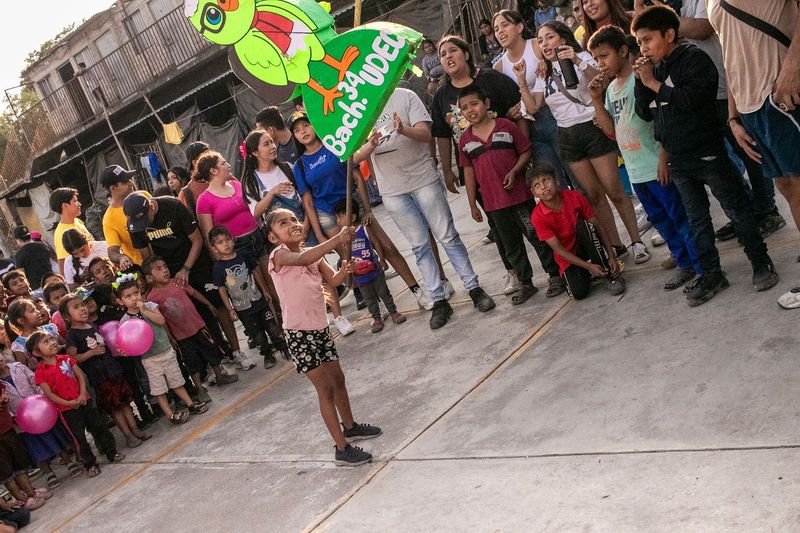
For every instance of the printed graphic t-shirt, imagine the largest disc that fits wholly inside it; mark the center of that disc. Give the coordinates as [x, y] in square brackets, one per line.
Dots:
[324, 176]
[235, 275]
[634, 135]
[60, 378]
[492, 160]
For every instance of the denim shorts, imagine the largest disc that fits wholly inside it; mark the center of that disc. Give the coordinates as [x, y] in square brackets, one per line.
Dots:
[327, 221]
[253, 244]
[777, 133]
[583, 141]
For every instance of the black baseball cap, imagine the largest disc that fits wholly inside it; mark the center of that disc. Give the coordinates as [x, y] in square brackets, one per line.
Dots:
[294, 117]
[136, 207]
[115, 174]
[194, 150]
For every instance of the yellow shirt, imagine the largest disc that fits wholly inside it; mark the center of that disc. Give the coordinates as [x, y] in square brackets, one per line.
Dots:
[115, 229]
[61, 252]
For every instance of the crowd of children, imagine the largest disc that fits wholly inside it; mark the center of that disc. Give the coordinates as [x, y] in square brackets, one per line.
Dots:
[258, 253]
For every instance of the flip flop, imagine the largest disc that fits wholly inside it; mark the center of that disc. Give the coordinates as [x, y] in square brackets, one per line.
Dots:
[75, 470]
[52, 481]
[522, 295]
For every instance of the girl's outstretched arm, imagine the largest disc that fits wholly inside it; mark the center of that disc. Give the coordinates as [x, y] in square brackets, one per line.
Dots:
[310, 256]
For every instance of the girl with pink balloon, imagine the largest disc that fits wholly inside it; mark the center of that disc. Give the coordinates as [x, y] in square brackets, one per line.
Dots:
[142, 332]
[90, 350]
[42, 437]
[14, 461]
[64, 384]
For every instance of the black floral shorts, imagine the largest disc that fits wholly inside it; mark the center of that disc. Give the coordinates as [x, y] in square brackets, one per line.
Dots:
[310, 348]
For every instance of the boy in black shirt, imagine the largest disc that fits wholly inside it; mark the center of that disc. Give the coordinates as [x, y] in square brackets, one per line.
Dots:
[676, 85]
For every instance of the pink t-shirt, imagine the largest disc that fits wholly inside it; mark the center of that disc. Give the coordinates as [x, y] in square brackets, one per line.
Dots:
[178, 310]
[299, 290]
[232, 212]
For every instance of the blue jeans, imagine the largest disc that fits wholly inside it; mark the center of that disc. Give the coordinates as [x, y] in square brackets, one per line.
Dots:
[416, 211]
[665, 211]
[777, 133]
[761, 189]
[691, 175]
[544, 137]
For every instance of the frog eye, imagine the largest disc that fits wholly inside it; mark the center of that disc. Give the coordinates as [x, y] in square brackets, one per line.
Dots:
[228, 5]
[213, 19]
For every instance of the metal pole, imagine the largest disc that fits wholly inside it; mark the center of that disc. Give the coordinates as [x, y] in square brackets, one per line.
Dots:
[116, 139]
[350, 163]
[19, 121]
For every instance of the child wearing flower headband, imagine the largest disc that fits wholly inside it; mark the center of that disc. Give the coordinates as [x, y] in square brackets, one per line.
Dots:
[160, 361]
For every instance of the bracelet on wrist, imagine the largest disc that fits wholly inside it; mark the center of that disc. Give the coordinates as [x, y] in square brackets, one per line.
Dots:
[186, 267]
[737, 119]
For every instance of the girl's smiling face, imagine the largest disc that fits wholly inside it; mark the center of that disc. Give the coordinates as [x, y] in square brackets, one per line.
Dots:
[596, 10]
[286, 229]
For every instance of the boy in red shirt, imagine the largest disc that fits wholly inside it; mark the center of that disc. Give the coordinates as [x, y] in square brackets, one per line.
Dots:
[566, 221]
[495, 152]
[64, 384]
[197, 347]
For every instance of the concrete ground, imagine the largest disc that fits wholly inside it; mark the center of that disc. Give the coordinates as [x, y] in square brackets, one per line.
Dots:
[610, 414]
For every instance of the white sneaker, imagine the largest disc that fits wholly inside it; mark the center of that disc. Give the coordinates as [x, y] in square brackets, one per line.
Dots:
[790, 300]
[423, 298]
[640, 253]
[343, 325]
[656, 239]
[511, 283]
[642, 222]
[448, 289]
[389, 274]
[243, 362]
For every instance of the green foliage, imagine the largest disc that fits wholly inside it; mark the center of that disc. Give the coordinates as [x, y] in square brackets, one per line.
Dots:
[23, 102]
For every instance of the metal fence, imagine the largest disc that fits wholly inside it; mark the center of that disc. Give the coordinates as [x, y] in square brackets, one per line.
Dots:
[129, 71]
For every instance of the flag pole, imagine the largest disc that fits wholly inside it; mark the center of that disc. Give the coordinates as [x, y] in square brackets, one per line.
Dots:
[350, 162]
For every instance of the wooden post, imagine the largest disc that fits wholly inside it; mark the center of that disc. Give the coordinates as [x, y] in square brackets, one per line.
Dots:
[348, 209]
[357, 13]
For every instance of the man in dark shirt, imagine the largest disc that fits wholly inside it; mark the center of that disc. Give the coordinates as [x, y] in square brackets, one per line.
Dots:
[163, 226]
[33, 257]
[270, 120]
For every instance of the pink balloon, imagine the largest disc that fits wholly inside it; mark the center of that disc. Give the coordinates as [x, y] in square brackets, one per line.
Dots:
[109, 333]
[134, 337]
[36, 414]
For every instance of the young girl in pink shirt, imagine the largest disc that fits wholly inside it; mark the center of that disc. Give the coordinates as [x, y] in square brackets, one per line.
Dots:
[298, 274]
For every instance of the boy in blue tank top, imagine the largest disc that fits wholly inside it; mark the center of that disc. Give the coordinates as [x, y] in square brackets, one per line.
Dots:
[369, 267]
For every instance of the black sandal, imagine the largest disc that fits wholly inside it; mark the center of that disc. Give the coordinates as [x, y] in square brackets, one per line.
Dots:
[555, 286]
[522, 295]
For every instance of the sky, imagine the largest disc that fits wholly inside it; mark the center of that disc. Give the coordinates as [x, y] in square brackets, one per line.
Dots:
[28, 25]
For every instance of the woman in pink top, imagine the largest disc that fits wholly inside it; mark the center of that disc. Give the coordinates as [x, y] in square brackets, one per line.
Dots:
[223, 204]
[298, 274]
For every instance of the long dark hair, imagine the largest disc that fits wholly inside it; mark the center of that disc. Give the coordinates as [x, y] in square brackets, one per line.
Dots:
[619, 17]
[464, 46]
[73, 240]
[63, 306]
[514, 17]
[250, 189]
[565, 33]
